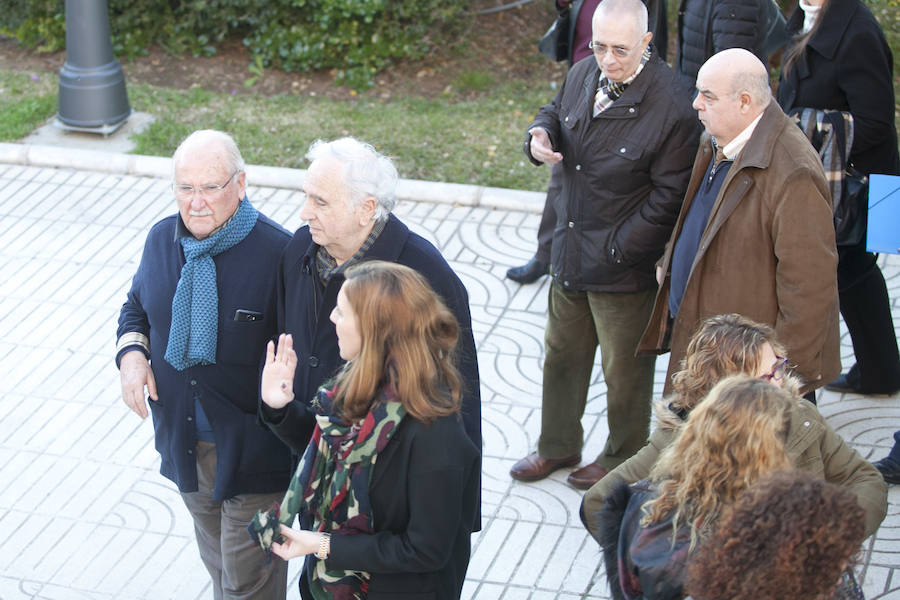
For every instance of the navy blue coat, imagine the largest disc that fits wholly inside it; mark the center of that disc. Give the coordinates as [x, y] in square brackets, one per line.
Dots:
[303, 311]
[249, 458]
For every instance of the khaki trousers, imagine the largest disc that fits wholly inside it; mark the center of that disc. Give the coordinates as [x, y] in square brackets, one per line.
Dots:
[577, 323]
[235, 562]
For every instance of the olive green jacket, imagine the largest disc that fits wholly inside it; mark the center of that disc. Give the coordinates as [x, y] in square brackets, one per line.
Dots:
[812, 446]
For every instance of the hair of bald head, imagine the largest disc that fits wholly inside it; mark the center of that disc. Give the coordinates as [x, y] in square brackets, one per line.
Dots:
[745, 73]
[214, 141]
[634, 8]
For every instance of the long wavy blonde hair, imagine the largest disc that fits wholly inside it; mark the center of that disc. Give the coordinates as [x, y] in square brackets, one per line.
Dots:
[408, 340]
[735, 436]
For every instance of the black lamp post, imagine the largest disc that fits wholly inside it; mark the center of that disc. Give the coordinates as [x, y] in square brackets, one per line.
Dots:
[92, 94]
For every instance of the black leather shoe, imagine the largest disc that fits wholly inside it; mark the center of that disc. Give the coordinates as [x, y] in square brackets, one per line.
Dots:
[889, 468]
[845, 384]
[842, 385]
[529, 272]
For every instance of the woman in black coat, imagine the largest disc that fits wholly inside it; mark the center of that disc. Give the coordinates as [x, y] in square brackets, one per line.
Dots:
[839, 60]
[388, 486]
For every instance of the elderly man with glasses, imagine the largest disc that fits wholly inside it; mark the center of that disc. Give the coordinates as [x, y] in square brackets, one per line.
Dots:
[623, 130]
[191, 335]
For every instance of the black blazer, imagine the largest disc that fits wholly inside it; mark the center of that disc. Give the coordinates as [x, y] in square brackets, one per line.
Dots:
[424, 491]
[848, 66]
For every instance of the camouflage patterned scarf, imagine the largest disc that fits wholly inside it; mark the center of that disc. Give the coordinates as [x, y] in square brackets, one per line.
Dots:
[332, 485]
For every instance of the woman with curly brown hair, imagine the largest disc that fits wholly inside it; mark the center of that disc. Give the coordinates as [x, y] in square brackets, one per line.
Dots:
[734, 437]
[728, 345]
[790, 535]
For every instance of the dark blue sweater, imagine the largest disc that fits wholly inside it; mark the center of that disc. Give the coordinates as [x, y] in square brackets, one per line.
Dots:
[250, 459]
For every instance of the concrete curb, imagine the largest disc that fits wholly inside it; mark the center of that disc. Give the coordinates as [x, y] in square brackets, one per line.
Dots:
[259, 175]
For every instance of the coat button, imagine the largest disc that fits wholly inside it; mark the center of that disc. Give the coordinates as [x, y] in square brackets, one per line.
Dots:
[313, 361]
[566, 119]
[571, 224]
[566, 283]
[621, 150]
[193, 382]
[806, 423]
[631, 110]
[577, 167]
[190, 451]
[190, 418]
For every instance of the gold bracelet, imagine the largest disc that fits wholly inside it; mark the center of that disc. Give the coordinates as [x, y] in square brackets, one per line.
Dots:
[324, 546]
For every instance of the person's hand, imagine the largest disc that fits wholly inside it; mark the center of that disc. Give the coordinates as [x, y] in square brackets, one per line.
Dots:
[659, 275]
[277, 388]
[541, 149]
[135, 374]
[297, 543]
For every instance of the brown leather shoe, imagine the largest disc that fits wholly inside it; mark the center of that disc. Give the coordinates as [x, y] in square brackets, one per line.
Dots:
[586, 476]
[535, 467]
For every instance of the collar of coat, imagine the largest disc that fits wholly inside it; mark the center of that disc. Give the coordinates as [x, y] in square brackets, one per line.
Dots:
[757, 153]
[835, 21]
[387, 246]
[633, 94]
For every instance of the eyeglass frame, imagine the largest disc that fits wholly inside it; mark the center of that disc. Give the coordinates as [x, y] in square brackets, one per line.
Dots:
[780, 366]
[619, 52]
[183, 191]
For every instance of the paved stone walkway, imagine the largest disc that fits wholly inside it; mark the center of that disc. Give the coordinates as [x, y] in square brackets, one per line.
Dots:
[84, 513]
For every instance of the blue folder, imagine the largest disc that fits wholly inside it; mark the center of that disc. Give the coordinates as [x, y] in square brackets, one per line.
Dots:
[883, 231]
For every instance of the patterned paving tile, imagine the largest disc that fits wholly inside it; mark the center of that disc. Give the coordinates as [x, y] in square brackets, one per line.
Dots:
[80, 468]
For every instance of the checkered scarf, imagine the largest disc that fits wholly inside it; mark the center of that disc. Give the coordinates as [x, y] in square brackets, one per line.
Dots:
[609, 91]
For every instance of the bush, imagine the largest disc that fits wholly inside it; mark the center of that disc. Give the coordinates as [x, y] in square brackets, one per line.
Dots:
[355, 37]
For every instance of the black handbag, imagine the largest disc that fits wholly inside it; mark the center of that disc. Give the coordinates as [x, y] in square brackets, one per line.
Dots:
[850, 213]
[555, 43]
[851, 209]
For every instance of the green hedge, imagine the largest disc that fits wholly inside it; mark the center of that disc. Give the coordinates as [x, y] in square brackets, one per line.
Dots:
[355, 37]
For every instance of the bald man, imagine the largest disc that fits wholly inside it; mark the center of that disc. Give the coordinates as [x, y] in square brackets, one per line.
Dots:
[623, 132]
[755, 235]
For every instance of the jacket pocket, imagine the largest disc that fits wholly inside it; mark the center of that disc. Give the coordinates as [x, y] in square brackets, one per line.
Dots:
[242, 342]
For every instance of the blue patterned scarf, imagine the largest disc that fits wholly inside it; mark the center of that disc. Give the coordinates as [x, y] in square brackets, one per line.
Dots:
[193, 335]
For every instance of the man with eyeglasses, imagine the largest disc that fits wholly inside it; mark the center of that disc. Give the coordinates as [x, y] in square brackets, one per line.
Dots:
[191, 333]
[622, 128]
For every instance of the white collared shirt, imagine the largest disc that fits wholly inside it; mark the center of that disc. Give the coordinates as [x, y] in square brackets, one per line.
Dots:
[733, 148]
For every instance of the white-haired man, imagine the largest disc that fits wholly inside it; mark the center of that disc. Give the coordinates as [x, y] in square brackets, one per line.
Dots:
[191, 333]
[350, 191]
[755, 235]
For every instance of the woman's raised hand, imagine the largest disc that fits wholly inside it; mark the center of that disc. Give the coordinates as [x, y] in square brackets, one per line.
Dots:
[277, 386]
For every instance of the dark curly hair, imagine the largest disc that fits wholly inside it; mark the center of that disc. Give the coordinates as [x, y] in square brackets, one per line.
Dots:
[790, 535]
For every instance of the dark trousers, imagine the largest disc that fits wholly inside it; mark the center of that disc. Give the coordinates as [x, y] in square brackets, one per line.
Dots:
[866, 310]
[235, 562]
[577, 322]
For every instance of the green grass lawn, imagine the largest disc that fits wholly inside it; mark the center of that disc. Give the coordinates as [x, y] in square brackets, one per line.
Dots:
[446, 139]
[453, 138]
